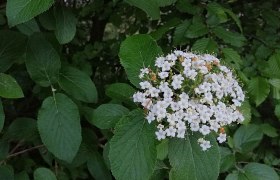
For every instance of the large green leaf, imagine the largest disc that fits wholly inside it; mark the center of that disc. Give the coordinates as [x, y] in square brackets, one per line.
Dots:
[137, 52]
[9, 88]
[232, 57]
[217, 10]
[257, 171]
[196, 29]
[229, 37]
[132, 149]
[227, 159]
[42, 61]
[19, 11]
[44, 174]
[97, 166]
[258, 88]
[122, 92]
[180, 31]
[78, 84]
[2, 116]
[247, 137]
[107, 115]
[189, 162]
[6, 172]
[65, 25]
[205, 45]
[150, 7]
[273, 68]
[29, 27]
[11, 48]
[59, 126]
[22, 129]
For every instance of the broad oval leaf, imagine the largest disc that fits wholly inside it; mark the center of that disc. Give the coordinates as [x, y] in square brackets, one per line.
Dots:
[2, 116]
[9, 88]
[136, 52]
[122, 92]
[97, 166]
[150, 7]
[273, 66]
[6, 172]
[65, 25]
[259, 89]
[12, 45]
[229, 37]
[78, 84]
[19, 11]
[42, 61]
[59, 126]
[259, 171]
[107, 115]
[44, 174]
[22, 129]
[188, 160]
[247, 137]
[180, 31]
[132, 149]
[205, 45]
[196, 29]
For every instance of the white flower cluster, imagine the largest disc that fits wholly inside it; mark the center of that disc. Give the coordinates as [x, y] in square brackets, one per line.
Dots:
[190, 92]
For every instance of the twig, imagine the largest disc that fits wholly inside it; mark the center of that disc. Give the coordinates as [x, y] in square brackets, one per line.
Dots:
[24, 151]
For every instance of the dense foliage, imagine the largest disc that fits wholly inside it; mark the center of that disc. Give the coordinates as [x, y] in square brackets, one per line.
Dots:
[69, 69]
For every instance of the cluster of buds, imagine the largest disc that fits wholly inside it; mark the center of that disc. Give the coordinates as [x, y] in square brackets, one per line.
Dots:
[190, 92]
[76, 3]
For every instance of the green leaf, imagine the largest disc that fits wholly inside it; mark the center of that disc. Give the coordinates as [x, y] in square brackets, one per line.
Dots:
[132, 148]
[78, 84]
[59, 126]
[236, 176]
[205, 45]
[229, 37]
[277, 111]
[47, 20]
[188, 160]
[42, 61]
[97, 167]
[259, 89]
[137, 52]
[275, 83]
[218, 10]
[248, 137]
[180, 31]
[29, 27]
[257, 171]
[6, 172]
[2, 116]
[4, 149]
[20, 11]
[245, 109]
[162, 150]
[9, 88]
[150, 7]
[271, 17]
[227, 159]
[196, 29]
[163, 3]
[65, 25]
[22, 176]
[269, 130]
[44, 174]
[273, 67]
[107, 115]
[232, 57]
[22, 129]
[122, 92]
[12, 46]
[235, 18]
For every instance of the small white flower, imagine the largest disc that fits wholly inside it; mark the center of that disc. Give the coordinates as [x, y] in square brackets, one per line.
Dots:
[204, 130]
[171, 131]
[222, 137]
[160, 134]
[205, 145]
[150, 117]
[163, 75]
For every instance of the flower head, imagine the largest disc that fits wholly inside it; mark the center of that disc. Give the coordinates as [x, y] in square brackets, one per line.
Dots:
[190, 92]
